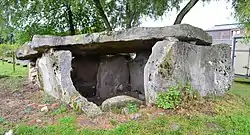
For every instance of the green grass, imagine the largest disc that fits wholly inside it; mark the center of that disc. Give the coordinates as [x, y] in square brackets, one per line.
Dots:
[66, 126]
[232, 116]
[12, 80]
[7, 70]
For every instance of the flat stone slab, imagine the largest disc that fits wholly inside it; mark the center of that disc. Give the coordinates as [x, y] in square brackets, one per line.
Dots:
[119, 101]
[137, 39]
[26, 52]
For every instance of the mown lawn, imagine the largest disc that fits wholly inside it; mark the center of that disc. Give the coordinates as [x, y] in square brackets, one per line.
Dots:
[12, 80]
[6, 69]
[230, 116]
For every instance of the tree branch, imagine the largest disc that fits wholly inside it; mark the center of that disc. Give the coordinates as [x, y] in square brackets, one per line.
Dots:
[71, 24]
[101, 12]
[184, 11]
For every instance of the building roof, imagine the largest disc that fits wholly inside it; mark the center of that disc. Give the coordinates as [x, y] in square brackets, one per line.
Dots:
[225, 27]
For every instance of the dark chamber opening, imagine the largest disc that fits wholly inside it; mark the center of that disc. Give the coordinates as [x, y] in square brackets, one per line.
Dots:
[84, 74]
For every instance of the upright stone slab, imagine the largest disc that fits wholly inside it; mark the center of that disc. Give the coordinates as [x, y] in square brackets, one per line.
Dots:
[207, 68]
[32, 72]
[112, 76]
[54, 69]
[136, 69]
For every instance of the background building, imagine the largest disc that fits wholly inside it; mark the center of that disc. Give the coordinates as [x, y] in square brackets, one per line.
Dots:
[233, 34]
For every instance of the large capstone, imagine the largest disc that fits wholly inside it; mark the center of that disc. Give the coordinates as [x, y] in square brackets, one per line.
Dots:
[207, 68]
[137, 39]
[26, 52]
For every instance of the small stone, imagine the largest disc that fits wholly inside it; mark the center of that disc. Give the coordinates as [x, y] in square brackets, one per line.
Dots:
[119, 101]
[89, 108]
[45, 109]
[141, 97]
[135, 116]
[32, 122]
[10, 132]
[33, 105]
[142, 106]
[175, 126]
[40, 106]
[38, 121]
[55, 106]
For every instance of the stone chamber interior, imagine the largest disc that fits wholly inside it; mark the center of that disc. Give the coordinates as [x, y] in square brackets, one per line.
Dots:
[100, 77]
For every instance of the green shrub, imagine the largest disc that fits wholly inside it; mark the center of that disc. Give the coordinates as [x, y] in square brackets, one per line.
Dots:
[176, 95]
[169, 99]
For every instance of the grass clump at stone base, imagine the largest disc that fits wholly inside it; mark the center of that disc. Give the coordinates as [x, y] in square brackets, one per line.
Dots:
[176, 96]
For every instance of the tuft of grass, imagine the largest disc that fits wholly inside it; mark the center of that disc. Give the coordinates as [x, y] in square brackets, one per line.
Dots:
[47, 99]
[61, 109]
[2, 119]
[132, 108]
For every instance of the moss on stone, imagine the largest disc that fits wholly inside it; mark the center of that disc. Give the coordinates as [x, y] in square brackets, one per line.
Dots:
[39, 77]
[166, 67]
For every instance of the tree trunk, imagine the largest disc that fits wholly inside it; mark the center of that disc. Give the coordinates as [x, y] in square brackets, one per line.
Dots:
[102, 14]
[129, 15]
[184, 11]
[71, 24]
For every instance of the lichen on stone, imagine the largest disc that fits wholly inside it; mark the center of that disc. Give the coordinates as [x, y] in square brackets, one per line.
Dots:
[166, 66]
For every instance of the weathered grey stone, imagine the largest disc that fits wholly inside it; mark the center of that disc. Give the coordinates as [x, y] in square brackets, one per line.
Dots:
[112, 76]
[136, 68]
[87, 42]
[26, 52]
[82, 104]
[54, 69]
[207, 68]
[119, 102]
[32, 72]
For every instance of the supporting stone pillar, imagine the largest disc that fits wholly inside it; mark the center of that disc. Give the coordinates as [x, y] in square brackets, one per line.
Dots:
[112, 76]
[136, 69]
[207, 68]
[54, 71]
[32, 76]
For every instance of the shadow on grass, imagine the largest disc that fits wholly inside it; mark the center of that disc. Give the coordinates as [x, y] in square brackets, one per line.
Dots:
[4, 76]
[243, 82]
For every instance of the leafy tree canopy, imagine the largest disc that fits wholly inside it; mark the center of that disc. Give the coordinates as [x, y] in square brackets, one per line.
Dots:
[25, 18]
[242, 13]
